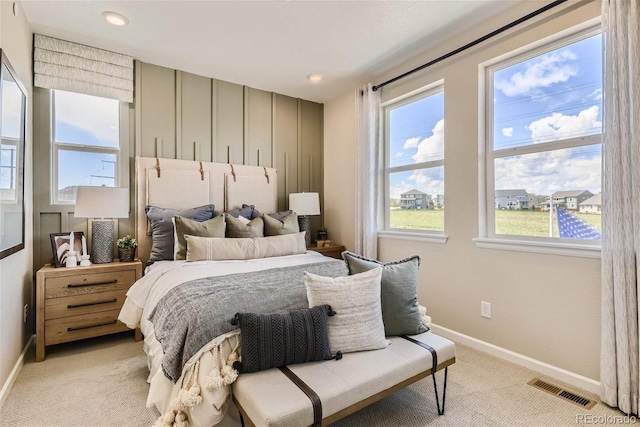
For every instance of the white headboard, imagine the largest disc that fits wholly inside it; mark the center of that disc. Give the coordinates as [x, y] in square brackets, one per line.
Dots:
[183, 184]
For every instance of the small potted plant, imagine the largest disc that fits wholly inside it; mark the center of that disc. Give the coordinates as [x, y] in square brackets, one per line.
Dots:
[127, 248]
[322, 234]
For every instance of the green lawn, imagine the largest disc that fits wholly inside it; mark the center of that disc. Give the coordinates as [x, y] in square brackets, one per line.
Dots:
[520, 223]
[417, 219]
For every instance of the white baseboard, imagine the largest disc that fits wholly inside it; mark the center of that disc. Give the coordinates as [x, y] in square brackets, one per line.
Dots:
[554, 372]
[13, 376]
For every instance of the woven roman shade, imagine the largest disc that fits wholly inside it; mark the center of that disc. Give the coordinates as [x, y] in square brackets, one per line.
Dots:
[59, 64]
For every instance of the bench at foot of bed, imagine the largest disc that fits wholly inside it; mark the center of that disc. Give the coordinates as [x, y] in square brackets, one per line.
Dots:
[319, 393]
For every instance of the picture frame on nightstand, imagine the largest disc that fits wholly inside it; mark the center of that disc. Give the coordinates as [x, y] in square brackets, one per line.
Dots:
[60, 246]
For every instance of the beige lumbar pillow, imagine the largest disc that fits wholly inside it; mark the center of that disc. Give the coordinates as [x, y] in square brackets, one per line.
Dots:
[218, 249]
[357, 324]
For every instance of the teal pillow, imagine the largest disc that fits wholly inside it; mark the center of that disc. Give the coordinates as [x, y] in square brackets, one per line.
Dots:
[399, 292]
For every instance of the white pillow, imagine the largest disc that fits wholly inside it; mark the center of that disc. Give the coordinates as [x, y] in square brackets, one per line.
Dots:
[220, 248]
[357, 324]
[243, 220]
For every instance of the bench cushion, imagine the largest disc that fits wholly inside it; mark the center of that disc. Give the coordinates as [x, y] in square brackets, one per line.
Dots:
[269, 398]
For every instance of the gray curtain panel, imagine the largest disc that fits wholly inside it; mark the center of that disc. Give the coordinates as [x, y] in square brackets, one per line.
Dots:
[620, 359]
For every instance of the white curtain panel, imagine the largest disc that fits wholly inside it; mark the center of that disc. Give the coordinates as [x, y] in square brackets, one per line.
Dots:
[620, 360]
[63, 65]
[369, 168]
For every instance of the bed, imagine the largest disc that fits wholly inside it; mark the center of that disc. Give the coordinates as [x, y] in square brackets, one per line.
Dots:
[204, 269]
[194, 386]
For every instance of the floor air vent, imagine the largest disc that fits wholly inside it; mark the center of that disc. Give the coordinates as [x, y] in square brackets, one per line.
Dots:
[564, 394]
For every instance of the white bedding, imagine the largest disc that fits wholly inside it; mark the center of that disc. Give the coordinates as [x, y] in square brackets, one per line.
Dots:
[192, 396]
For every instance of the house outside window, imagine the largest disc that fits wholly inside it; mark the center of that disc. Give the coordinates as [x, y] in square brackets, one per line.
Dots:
[85, 142]
[414, 161]
[544, 141]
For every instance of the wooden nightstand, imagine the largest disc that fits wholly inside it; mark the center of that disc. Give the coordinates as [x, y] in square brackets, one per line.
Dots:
[81, 302]
[334, 251]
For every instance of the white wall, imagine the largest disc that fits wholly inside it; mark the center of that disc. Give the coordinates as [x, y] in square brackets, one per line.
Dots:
[16, 284]
[545, 307]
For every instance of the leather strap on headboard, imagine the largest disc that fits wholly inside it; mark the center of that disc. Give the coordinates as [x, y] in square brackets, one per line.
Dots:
[185, 184]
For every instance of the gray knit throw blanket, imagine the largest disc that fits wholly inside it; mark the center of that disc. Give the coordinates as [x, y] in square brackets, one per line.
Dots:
[192, 314]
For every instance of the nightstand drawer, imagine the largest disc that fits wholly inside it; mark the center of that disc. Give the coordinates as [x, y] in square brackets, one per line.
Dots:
[88, 283]
[83, 304]
[84, 326]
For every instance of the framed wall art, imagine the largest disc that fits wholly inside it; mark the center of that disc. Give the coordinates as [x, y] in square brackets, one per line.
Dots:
[60, 246]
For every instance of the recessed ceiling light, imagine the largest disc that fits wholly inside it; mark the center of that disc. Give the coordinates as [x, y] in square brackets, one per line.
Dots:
[315, 77]
[115, 18]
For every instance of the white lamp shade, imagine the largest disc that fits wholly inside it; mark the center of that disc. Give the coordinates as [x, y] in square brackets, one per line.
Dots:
[102, 202]
[305, 203]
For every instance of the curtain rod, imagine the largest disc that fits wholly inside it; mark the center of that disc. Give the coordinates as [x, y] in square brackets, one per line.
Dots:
[473, 43]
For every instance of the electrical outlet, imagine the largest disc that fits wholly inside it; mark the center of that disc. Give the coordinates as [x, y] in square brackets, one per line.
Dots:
[25, 313]
[485, 309]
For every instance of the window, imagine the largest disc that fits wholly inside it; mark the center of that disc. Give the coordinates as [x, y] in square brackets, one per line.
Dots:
[544, 145]
[414, 171]
[9, 140]
[86, 143]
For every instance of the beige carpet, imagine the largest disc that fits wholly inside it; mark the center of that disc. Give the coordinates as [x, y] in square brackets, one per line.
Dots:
[102, 382]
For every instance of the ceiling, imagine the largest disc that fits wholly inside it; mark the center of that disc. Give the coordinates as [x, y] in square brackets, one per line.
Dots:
[269, 45]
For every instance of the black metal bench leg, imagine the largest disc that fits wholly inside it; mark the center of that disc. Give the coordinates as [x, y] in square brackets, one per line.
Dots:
[444, 390]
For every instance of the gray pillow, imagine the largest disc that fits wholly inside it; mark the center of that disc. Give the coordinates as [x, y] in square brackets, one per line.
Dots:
[246, 211]
[162, 228]
[274, 340]
[399, 292]
[236, 228]
[280, 215]
[214, 227]
[275, 227]
[357, 325]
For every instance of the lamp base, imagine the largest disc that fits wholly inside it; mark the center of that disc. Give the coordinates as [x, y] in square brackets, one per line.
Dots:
[102, 245]
[305, 225]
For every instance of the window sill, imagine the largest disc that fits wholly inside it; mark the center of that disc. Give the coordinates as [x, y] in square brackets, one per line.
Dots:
[549, 248]
[413, 236]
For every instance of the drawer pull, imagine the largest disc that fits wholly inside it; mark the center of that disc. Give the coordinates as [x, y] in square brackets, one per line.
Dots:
[81, 285]
[92, 303]
[79, 328]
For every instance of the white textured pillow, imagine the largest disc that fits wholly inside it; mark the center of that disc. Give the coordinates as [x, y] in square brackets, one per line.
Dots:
[357, 324]
[220, 248]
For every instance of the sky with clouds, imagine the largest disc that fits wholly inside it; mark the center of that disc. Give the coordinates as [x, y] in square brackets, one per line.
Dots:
[554, 96]
[86, 120]
[417, 136]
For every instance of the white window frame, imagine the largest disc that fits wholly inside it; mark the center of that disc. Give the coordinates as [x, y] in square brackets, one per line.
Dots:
[488, 238]
[56, 147]
[432, 236]
[13, 167]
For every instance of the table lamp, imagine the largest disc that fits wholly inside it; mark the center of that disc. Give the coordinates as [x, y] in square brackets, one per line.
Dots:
[103, 204]
[305, 204]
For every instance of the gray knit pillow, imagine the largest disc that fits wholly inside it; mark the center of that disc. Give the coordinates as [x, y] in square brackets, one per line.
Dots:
[275, 340]
[357, 324]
